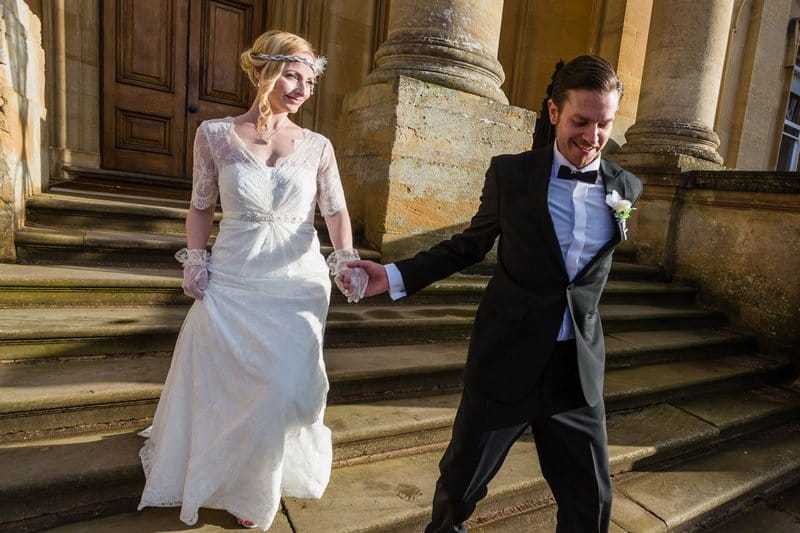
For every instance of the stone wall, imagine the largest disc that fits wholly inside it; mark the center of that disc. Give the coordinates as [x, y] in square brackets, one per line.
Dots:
[22, 112]
[414, 156]
[736, 236]
[352, 33]
[347, 32]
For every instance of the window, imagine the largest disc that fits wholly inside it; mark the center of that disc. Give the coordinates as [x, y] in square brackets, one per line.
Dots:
[790, 142]
[789, 152]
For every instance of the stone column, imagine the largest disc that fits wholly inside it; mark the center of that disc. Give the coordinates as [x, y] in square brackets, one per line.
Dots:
[22, 113]
[680, 86]
[452, 43]
[415, 142]
[673, 132]
[55, 24]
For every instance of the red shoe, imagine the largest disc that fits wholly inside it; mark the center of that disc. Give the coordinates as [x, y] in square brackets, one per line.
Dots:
[246, 523]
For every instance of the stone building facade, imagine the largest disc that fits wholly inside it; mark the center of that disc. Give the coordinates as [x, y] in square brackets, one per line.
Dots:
[420, 94]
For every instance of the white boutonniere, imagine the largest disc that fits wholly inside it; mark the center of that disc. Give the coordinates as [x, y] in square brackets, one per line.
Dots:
[622, 210]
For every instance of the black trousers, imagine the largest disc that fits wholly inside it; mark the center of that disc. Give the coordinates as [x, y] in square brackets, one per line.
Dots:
[571, 442]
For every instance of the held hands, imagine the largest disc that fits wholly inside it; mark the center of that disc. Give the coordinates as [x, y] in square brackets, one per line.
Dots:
[195, 273]
[352, 282]
[378, 281]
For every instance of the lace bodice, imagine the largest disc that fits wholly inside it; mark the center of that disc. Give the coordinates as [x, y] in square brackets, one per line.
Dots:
[284, 189]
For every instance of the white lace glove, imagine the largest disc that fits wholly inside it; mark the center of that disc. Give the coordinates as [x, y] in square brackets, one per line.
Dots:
[195, 271]
[357, 277]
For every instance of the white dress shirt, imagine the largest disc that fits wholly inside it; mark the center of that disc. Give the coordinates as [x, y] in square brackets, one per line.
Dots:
[572, 204]
[580, 217]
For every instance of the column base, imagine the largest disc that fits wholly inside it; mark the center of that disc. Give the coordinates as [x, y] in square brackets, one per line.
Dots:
[444, 74]
[661, 162]
[678, 145]
[413, 157]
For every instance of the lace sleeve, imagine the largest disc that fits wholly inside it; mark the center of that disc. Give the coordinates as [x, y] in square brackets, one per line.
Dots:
[204, 173]
[330, 195]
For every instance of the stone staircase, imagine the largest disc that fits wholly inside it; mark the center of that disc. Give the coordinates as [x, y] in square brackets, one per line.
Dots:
[699, 423]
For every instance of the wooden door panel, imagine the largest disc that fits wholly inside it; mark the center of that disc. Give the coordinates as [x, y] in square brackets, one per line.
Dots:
[146, 132]
[144, 57]
[220, 31]
[144, 85]
[228, 34]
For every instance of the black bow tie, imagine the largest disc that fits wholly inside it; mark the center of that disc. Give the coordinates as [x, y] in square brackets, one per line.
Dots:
[565, 173]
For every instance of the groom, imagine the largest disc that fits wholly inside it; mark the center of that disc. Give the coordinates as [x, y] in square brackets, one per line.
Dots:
[536, 357]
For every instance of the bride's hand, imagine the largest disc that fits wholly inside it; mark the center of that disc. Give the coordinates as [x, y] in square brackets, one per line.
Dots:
[195, 281]
[195, 273]
[352, 282]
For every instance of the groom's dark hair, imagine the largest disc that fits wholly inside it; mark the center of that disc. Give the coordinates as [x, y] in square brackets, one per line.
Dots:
[585, 72]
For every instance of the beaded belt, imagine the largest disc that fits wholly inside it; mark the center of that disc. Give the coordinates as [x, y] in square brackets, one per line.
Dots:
[268, 217]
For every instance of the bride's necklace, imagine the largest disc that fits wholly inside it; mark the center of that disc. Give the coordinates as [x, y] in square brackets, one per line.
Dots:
[266, 139]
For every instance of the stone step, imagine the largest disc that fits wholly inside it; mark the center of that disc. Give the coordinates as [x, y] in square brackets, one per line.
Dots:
[406, 370]
[394, 494]
[463, 288]
[60, 247]
[775, 513]
[695, 494]
[154, 520]
[62, 285]
[619, 291]
[634, 348]
[622, 253]
[631, 387]
[624, 270]
[133, 185]
[718, 480]
[118, 196]
[87, 246]
[96, 247]
[63, 211]
[113, 330]
[395, 497]
[361, 326]
[111, 213]
[71, 286]
[46, 397]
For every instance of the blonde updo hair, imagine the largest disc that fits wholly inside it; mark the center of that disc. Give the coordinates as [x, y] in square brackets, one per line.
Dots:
[273, 42]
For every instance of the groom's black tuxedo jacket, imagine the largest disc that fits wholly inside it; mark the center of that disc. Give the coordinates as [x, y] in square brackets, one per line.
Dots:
[518, 320]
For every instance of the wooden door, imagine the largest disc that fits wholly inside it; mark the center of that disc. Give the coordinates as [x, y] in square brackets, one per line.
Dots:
[169, 64]
[221, 31]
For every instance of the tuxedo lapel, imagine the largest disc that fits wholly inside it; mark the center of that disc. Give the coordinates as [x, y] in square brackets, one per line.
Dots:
[540, 164]
[613, 181]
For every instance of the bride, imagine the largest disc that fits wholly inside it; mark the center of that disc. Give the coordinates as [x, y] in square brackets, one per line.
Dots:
[240, 420]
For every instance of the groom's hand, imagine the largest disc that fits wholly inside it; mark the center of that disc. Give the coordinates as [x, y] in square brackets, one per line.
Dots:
[378, 281]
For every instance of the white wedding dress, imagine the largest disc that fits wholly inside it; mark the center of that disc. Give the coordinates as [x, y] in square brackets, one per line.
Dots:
[239, 422]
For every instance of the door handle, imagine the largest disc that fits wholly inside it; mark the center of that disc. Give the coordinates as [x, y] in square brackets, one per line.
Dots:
[192, 108]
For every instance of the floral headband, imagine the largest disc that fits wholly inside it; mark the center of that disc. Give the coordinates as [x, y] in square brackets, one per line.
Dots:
[318, 66]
